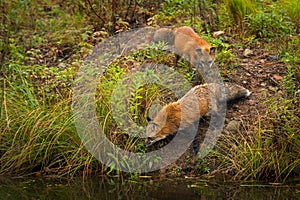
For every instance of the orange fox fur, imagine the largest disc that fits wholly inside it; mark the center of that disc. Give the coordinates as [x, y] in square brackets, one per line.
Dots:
[183, 113]
[187, 43]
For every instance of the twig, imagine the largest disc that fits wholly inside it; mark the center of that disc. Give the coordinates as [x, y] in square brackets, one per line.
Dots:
[3, 104]
[128, 8]
[91, 6]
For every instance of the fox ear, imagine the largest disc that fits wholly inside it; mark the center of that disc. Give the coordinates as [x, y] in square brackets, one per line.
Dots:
[148, 119]
[213, 50]
[199, 51]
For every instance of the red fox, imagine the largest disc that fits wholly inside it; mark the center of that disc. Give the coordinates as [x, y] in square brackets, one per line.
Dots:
[187, 43]
[181, 114]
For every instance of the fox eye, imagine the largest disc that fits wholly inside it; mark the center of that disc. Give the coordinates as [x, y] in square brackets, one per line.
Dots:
[213, 50]
[154, 127]
[199, 51]
[148, 119]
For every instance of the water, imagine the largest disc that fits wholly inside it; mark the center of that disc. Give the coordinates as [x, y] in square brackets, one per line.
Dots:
[105, 188]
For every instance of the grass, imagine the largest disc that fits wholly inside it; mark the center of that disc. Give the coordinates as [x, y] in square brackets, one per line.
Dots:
[267, 154]
[37, 131]
[238, 10]
[292, 9]
[264, 19]
[269, 151]
[38, 138]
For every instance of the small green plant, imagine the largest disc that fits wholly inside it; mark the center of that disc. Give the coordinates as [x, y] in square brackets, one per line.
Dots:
[226, 58]
[197, 14]
[202, 166]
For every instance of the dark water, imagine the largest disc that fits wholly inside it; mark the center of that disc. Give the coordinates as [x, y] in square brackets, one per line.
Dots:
[104, 188]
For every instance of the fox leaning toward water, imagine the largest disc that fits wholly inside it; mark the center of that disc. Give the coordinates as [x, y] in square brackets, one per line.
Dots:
[187, 43]
[181, 114]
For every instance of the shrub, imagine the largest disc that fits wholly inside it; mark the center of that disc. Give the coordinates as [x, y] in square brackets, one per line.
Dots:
[269, 23]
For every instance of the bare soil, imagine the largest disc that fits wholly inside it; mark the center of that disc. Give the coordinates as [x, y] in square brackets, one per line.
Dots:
[261, 72]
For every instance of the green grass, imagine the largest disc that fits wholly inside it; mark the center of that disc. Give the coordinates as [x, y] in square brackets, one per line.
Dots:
[36, 137]
[271, 153]
[292, 9]
[37, 132]
[238, 10]
[264, 19]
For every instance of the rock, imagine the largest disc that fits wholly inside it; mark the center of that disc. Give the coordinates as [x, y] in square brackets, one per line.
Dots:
[134, 69]
[62, 65]
[277, 77]
[280, 92]
[260, 71]
[252, 102]
[263, 84]
[233, 126]
[273, 57]
[273, 89]
[247, 53]
[218, 33]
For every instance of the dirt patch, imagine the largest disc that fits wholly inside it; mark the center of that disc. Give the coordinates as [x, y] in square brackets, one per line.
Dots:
[261, 73]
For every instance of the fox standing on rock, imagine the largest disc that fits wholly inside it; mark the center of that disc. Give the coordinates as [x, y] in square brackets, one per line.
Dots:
[182, 114]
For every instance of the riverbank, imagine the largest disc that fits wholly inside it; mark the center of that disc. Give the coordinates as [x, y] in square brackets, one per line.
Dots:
[44, 45]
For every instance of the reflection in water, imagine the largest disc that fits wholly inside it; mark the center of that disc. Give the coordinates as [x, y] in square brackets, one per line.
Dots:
[104, 188]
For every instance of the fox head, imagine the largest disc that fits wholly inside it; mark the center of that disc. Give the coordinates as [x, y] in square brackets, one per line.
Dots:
[203, 56]
[190, 44]
[165, 123]
[153, 132]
